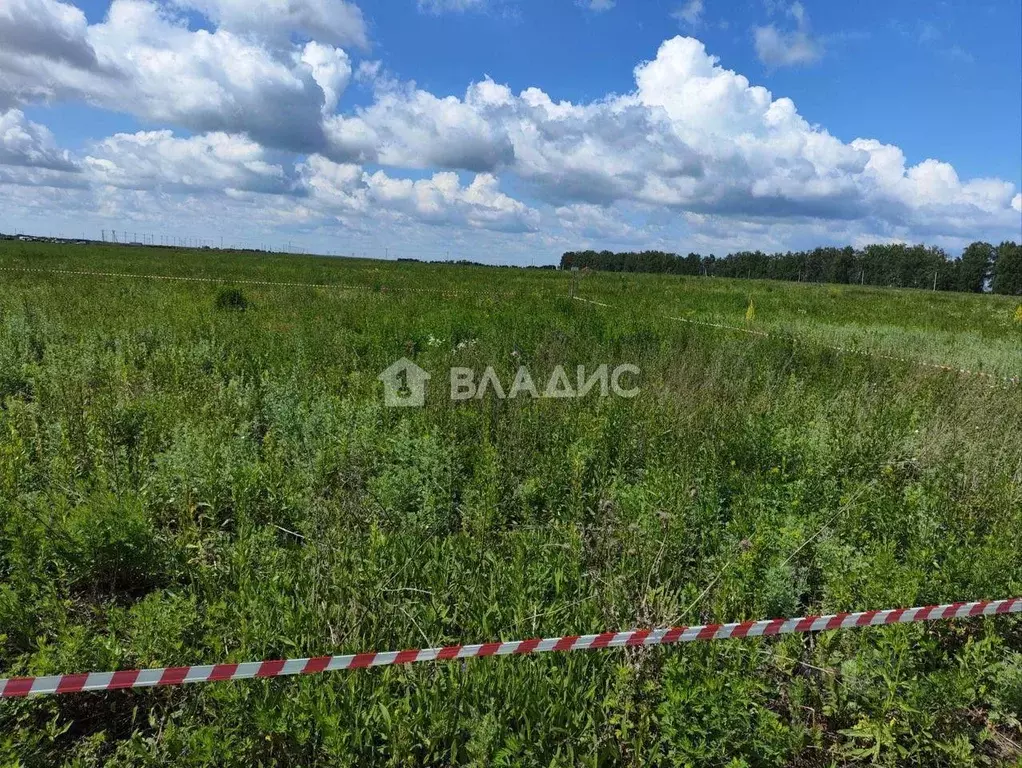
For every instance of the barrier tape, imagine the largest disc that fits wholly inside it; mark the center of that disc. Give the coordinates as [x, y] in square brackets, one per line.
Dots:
[590, 301]
[170, 676]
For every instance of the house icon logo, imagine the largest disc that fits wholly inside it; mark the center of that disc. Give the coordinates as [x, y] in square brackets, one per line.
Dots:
[404, 385]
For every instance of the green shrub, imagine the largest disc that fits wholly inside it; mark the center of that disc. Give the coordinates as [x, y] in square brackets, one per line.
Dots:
[231, 300]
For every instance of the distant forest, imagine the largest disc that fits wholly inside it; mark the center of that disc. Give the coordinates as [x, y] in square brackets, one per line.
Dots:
[982, 266]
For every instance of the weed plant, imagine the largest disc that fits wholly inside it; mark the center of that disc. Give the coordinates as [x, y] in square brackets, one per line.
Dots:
[181, 484]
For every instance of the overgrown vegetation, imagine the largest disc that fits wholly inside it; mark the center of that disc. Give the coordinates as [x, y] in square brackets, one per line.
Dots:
[180, 485]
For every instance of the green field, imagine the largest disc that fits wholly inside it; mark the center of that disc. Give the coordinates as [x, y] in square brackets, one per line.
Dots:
[183, 482]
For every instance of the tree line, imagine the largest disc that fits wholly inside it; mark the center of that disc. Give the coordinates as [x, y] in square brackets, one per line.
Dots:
[981, 267]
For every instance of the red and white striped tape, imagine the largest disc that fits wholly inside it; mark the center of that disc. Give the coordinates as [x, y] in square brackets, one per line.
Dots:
[148, 678]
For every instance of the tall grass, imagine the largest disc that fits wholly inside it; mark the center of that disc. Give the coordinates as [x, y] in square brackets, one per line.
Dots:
[181, 483]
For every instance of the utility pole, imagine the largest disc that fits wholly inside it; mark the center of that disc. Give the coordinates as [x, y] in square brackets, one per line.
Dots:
[935, 280]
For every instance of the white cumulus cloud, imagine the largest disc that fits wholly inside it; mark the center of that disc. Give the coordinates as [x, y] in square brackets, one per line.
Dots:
[692, 136]
[209, 162]
[342, 189]
[411, 128]
[30, 145]
[150, 64]
[248, 118]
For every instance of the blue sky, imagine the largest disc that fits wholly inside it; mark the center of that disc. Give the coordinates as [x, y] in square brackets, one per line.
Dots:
[511, 130]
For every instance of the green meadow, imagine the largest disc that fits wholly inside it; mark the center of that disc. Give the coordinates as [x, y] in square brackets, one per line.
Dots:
[203, 470]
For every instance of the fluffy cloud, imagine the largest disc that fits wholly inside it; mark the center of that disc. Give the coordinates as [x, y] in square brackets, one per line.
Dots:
[43, 46]
[693, 137]
[694, 153]
[777, 48]
[152, 65]
[345, 189]
[213, 163]
[167, 167]
[30, 145]
[329, 21]
[410, 128]
[930, 184]
[331, 69]
[443, 200]
[210, 162]
[45, 29]
[596, 153]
